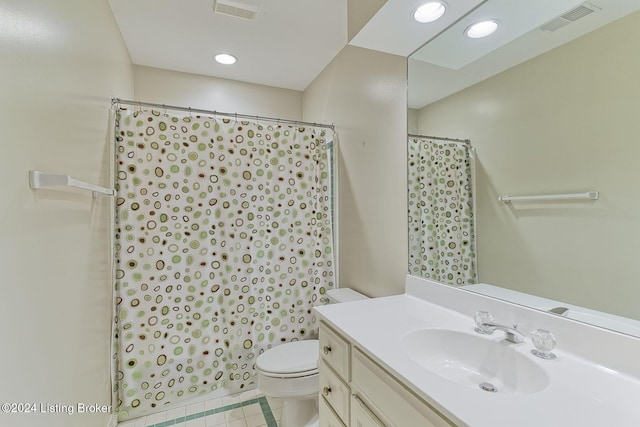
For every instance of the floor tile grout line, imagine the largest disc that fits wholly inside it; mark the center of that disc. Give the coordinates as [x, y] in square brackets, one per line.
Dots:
[264, 405]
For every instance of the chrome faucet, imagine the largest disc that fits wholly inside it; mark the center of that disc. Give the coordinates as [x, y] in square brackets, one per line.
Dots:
[512, 335]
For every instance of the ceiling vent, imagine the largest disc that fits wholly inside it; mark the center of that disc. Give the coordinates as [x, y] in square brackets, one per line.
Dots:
[245, 9]
[573, 15]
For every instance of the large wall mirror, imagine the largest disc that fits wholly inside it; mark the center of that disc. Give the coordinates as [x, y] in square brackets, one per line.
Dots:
[554, 110]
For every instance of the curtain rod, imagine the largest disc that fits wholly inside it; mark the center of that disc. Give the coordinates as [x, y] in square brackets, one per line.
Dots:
[442, 138]
[115, 101]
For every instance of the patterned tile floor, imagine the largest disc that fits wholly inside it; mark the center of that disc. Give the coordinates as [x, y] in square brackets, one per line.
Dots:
[247, 409]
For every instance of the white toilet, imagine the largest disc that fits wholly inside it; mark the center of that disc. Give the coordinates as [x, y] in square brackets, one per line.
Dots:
[290, 372]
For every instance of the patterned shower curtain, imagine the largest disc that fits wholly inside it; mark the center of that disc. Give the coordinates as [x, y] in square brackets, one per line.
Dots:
[441, 214]
[223, 244]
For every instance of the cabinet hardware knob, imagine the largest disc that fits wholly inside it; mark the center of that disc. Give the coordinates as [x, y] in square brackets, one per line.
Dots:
[326, 349]
[326, 390]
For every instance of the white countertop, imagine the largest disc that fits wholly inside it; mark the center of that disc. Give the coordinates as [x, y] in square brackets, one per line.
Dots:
[581, 393]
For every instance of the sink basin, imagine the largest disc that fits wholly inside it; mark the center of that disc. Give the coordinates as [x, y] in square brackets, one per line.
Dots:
[475, 361]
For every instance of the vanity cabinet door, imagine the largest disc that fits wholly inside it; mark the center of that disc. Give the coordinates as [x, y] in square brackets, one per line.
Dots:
[389, 398]
[362, 416]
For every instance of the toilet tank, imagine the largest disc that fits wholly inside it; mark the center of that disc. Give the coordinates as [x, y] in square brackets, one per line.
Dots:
[343, 295]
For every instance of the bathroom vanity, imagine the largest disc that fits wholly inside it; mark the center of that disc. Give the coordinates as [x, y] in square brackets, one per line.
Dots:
[415, 360]
[357, 391]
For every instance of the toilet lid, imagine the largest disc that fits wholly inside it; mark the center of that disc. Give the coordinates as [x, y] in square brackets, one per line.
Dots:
[289, 358]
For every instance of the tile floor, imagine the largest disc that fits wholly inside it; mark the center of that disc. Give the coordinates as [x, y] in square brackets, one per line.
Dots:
[247, 409]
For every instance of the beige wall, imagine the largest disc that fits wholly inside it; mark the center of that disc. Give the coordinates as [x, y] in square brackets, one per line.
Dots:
[61, 62]
[209, 93]
[363, 93]
[412, 120]
[566, 121]
[359, 12]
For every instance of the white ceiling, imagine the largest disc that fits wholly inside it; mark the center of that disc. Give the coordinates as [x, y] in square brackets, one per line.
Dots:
[500, 53]
[287, 46]
[292, 41]
[393, 30]
[454, 50]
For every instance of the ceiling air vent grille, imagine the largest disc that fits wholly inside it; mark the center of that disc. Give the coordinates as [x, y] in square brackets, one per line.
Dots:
[245, 9]
[577, 13]
[571, 16]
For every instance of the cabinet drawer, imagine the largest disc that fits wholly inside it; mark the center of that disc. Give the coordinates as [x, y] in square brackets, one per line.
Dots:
[385, 395]
[335, 351]
[334, 391]
[328, 418]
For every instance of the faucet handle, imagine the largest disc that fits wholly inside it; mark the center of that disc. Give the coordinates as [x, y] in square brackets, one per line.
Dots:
[482, 318]
[544, 342]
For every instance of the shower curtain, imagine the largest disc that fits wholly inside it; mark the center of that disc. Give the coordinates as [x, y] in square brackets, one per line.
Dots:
[224, 242]
[441, 211]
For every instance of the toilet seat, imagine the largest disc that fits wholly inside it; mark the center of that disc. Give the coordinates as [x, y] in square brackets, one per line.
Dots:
[290, 360]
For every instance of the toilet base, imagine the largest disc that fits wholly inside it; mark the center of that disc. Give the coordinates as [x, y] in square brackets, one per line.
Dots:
[300, 413]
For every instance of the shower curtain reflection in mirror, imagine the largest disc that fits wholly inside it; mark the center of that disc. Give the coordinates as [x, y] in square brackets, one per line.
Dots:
[224, 241]
[441, 210]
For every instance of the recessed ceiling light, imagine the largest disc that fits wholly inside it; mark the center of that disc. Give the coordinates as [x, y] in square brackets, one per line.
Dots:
[429, 12]
[225, 58]
[481, 29]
